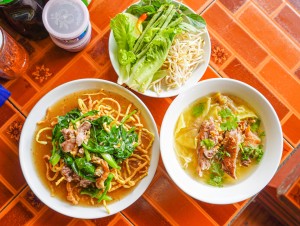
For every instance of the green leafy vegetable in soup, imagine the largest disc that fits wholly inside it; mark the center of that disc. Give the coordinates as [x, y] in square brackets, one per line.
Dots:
[227, 136]
[97, 148]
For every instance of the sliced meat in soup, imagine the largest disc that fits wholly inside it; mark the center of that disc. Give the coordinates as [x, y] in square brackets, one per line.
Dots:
[231, 145]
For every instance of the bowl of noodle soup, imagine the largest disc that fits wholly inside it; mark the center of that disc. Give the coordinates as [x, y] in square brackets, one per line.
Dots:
[185, 64]
[89, 148]
[221, 142]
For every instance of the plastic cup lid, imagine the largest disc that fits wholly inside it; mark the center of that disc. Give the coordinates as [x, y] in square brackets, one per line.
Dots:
[65, 19]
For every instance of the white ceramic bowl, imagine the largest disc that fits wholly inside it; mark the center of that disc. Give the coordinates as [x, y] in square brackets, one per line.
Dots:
[196, 75]
[28, 165]
[273, 146]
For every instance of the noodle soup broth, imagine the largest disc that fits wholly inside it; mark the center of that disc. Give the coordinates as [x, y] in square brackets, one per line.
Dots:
[57, 183]
[188, 140]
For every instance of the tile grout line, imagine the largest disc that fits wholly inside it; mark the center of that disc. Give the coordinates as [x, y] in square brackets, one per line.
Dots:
[14, 147]
[56, 77]
[273, 56]
[292, 145]
[278, 94]
[8, 186]
[297, 66]
[257, 41]
[286, 117]
[191, 200]
[272, 17]
[288, 157]
[292, 7]
[60, 73]
[280, 27]
[215, 71]
[240, 10]
[232, 50]
[38, 215]
[262, 64]
[227, 62]
[19, 110]
[161, 211]
[121, 212]
[14, 199]
[273, 14]
[208, 6]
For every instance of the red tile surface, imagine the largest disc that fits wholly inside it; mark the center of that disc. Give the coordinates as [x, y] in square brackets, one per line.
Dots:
[209, 74]
[5, 195]
[295, 4]
[219, 53]
[220, 213]
[99, 51]
[102, 221]
[80, 223]
[270, 36]
[50, 218]
[121, 222]
[291, 128]
[108, 74]
[237, 70]
[160, 105]
[32, 200]
[135, 213]
[182, 213]
[287, 149]
[255, 41]
[245, 46]
[233, 5]
[46, 68]
[108, 11]
[71, 73]
[197, 4]
[6, 111]
[18, 215]
[297, 73]
[10, 168]
[13, 131]
[268, 5]
[275, 75]
[21, 91]
[289, 21]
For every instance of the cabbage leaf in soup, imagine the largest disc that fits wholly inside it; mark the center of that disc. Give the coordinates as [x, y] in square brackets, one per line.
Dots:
[219, 132]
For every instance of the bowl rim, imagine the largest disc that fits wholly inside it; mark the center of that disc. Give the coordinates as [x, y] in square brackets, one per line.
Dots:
[172, 92]
[62, 205]
[208, 193]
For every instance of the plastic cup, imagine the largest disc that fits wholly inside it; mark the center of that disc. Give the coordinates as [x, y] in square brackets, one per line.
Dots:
[68, 23]
[13, 57]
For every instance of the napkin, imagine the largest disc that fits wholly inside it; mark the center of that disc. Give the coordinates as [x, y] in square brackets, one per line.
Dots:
[4, 95]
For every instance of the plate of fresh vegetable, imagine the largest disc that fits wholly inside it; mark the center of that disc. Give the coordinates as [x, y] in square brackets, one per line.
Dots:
[159, 48]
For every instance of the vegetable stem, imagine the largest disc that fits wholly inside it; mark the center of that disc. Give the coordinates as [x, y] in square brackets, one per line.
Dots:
[165, 20]
[151, 22]
[107, 182]
[110, 160]
[128, 116]
[90, 113]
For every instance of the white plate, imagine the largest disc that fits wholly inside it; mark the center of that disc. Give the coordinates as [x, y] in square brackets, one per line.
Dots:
[196, 75]
[27, 138]
[262, 174]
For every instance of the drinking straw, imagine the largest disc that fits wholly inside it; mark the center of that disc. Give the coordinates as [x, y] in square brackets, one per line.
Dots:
[4, 95]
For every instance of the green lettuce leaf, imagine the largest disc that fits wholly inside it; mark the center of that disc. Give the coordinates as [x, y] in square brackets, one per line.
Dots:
[143, 71]
[126, 32]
